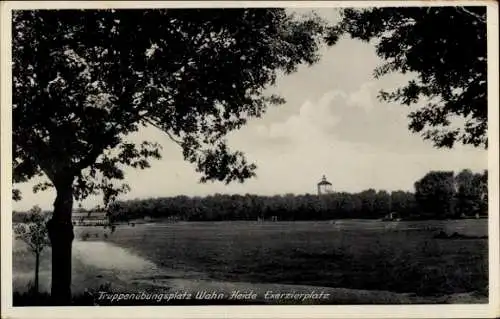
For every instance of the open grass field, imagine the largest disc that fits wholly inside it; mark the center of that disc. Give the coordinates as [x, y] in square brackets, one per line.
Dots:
[401, 257]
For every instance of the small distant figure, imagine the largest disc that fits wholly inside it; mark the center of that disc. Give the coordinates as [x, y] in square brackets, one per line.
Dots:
[392, 216]
[274, 218]
[106, 236]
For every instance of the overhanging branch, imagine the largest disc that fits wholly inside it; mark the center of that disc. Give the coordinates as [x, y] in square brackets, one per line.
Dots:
[178, 142]
[475, 15]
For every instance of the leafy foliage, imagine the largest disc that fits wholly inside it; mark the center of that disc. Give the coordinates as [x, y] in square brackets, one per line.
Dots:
[252, 207]
[435, 192]
[446, 48]
[471, 192]
[83, 80]
[446, 195]
[438, 195]
[33, 230]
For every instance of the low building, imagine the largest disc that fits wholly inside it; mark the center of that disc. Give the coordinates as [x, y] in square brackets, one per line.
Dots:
[90, 218]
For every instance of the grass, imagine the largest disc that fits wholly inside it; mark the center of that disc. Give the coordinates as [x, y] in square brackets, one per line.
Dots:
[399, 260]
[372, 255]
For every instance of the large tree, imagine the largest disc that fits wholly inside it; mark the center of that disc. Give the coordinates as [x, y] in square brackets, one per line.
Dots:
[435, 194]
[467, 194]
[445, 48]
[83, 80]
[471, 192]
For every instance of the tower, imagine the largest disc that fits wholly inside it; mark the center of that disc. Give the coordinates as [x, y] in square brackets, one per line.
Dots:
[324, 186]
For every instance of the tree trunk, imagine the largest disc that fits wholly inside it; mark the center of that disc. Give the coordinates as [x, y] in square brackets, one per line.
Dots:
[37, 268]
[61, 236]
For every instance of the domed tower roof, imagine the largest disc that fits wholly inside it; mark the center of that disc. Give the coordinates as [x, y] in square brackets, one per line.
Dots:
[324, 181]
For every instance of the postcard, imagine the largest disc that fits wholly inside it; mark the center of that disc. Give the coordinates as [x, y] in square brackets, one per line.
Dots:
[287, 159]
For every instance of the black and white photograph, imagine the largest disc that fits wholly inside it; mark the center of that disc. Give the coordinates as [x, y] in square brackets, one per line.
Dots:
[249, 154]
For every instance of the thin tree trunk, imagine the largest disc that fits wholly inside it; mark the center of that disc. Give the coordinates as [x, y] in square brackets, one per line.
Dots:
[37, 268]
[61, 237]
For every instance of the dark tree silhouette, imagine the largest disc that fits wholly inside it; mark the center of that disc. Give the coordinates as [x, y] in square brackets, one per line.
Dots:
[85, 79]
[435, 194]
[471, 195]
[438, 195]
[403, 203]
[446, 48]
[366, 204]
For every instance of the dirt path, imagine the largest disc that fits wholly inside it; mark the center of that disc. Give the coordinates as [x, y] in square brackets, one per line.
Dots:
[105, 255]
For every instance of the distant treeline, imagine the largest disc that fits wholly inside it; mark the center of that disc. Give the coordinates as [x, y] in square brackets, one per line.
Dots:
[438, 195]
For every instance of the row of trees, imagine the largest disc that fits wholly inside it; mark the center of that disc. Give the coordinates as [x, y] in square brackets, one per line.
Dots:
[437, 195]
[367, 204]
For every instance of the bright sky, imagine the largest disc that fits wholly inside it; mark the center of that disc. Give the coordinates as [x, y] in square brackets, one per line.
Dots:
[332, 124]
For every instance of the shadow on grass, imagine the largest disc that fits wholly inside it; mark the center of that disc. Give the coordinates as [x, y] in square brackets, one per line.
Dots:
[455, 235]
[434, 274]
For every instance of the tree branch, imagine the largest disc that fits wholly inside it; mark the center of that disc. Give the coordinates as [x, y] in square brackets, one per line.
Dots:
[475, 15]
[176, 141]
[35, 147]
[89, 159]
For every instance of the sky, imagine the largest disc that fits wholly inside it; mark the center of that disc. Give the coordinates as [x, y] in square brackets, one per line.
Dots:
[331, 124]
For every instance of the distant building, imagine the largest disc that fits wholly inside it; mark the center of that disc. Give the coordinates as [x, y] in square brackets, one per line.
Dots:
[91, 218]
[324, 186]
